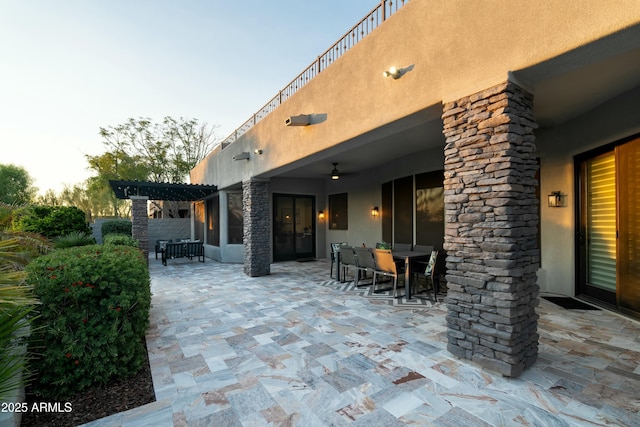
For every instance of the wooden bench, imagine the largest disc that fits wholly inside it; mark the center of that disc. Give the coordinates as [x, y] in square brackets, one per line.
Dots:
[183, 250]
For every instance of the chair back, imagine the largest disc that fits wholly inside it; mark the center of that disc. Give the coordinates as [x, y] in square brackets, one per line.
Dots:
[364, 258]
[402, 246]
[430, 270]
[384, 261]
[347, 255]
[423, 248]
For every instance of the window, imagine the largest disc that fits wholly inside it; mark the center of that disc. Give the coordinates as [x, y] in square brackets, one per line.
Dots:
[338, 212]
[234, 209]
[213, 221]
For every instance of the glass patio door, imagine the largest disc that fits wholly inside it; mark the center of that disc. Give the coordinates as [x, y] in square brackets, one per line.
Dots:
[609, 240]
[293, 227]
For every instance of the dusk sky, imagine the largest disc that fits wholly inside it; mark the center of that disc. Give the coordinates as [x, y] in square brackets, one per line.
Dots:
[69, 67]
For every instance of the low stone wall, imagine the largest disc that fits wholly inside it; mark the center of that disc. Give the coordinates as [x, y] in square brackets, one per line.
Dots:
[491, 220]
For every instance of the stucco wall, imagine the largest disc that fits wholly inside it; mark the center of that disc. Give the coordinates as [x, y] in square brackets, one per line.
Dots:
[450, 48]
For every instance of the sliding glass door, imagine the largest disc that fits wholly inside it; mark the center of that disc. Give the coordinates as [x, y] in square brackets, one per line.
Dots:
[294, 228]
[609, 234]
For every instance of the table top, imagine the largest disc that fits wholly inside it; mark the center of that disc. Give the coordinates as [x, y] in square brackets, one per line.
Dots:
[410, 254]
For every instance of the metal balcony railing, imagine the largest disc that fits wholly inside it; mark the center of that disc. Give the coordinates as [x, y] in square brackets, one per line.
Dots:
[362, 29]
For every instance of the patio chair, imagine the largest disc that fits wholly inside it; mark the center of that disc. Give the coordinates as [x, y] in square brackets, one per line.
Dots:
[402, 246]
[364, 264]
[335, 249]
[431, 273]
[386, 267]
[347, 259]
[160, 246]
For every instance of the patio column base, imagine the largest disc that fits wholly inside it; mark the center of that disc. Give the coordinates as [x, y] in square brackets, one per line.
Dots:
[491, 224]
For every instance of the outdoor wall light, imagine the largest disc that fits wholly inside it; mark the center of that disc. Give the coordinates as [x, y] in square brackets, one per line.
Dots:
[555, 199]
[375, 213]
[393, 72]
[241, 156]
[301, 120]
[257, 151]
[335, 173]
[320, 216]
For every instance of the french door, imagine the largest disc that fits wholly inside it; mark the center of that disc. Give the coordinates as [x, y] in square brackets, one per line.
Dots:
[294, 227]
[609, 235]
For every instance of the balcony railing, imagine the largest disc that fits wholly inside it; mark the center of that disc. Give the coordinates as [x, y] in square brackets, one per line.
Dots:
[362, 29]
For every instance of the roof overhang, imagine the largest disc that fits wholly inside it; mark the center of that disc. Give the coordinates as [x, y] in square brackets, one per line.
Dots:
[162, 190]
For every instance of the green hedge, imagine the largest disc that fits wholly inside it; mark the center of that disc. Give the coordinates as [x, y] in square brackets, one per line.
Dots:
[116, 226]
[93, 317]
[120, 239]
[50, 221]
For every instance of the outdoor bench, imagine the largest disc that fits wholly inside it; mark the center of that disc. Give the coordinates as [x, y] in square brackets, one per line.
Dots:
[183, 250]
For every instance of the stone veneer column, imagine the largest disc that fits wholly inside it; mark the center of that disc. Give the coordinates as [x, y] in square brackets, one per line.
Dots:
[491, 220]
[140, 223]
[257, 227]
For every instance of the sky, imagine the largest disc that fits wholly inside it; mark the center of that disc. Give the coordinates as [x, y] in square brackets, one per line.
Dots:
[70, 67]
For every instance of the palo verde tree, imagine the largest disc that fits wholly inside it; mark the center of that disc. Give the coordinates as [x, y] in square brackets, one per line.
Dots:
[165, 151]
[141, 149]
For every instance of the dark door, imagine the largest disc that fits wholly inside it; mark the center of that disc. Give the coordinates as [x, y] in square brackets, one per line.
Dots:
[294, 228]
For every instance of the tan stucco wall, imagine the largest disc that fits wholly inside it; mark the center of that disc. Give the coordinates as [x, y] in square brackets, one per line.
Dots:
[451, 48]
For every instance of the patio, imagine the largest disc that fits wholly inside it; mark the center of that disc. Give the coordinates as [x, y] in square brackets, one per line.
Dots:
[297, 348]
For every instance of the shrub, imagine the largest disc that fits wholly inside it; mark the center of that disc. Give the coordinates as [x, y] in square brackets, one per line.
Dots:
[116, 226]
[120, 239]
[93, 316]
[75, 238]
[50, 221]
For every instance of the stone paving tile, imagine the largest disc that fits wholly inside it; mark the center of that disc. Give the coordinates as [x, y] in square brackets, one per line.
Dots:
[297, 349]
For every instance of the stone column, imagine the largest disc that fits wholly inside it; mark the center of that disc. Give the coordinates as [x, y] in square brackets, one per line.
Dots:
[491, 222]
[257, 227]
[140, 223]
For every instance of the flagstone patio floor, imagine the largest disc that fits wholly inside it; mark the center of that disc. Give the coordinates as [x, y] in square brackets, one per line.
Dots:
[297, 348]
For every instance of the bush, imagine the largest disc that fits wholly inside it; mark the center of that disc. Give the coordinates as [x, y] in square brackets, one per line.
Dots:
[116, 226]
[93, 317]
[50, 221]
[120, 239]
[75, 238]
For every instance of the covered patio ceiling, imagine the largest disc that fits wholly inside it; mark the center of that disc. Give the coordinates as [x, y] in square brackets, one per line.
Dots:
[162, 190]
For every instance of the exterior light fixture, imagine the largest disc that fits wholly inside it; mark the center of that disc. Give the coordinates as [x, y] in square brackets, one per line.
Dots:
[393, 72]
[335, 173]
[242, 156]
[257, 151]
[375, 213]
[320, 215]
[555, 199]
[301, 120]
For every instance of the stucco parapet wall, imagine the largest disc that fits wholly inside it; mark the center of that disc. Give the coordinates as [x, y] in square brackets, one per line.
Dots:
[457, 48]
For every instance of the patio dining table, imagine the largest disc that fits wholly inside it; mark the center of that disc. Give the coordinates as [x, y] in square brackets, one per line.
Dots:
[408, 257]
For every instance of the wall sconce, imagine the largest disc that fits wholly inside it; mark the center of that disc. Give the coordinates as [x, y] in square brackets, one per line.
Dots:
[242, 156]
[301, 120]
[335, 173]
[257, 151]
[320, 216]
[555, 199]
[375, 213]
[393, 72]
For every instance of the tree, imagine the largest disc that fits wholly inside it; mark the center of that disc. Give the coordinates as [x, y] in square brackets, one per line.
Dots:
[165, 152]
[16, 185]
